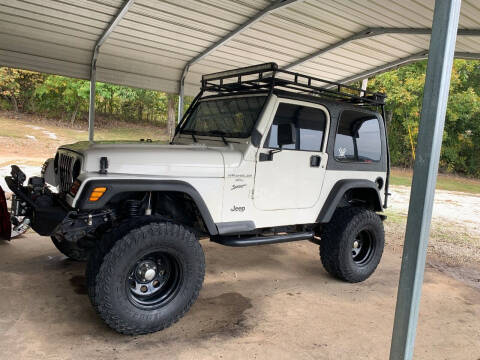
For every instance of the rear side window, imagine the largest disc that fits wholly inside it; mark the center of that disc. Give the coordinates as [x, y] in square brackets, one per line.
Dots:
[308, 123]
[358, 138]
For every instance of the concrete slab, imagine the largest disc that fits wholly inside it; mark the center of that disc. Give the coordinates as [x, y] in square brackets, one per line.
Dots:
[270, 302]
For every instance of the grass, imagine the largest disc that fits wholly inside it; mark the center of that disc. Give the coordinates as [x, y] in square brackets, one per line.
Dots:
[395, 216]
[18, 147]
[19, 128]
[444, 182]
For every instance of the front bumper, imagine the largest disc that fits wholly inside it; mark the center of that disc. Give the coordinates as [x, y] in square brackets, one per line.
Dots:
[49, 214]
[45, 212]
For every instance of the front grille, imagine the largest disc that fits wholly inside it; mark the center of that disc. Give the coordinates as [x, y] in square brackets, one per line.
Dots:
[65, 168]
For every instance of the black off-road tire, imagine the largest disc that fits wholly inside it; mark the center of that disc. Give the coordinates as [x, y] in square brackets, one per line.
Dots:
[348, 227]
[71, 249]
[104, 245]
[114, 264]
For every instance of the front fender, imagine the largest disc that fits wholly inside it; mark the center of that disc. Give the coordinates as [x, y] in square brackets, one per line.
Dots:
[118, 186]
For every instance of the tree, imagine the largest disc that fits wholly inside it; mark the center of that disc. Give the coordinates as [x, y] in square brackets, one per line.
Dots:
[461, 141]
[63, 95]
[18, 87]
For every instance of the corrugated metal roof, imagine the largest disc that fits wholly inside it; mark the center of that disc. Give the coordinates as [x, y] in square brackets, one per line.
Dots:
[155, 40]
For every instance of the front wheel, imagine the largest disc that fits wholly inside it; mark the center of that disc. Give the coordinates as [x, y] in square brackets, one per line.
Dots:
[352, 244]
[149, 278]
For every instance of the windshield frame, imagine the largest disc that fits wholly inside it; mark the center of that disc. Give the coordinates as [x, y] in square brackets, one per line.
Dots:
[220, 133]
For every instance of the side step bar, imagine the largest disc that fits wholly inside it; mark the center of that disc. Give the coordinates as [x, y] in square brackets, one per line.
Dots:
[238, 241]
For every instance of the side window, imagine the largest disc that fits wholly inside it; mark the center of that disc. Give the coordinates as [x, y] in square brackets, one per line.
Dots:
[306, 123]
[358, 138]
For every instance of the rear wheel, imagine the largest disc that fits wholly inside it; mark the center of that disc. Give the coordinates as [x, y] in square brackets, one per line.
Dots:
[70, 249]
[148, 279]
[352, 244]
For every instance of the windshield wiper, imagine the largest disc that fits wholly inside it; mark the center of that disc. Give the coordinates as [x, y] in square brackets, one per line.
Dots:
[220, 133]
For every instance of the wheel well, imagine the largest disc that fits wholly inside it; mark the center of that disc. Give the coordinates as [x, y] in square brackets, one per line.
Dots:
[365, 197]
[174, 205]
[348, 192]
[180, 207]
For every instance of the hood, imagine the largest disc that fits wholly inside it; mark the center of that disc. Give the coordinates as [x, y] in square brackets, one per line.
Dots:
[154, 158]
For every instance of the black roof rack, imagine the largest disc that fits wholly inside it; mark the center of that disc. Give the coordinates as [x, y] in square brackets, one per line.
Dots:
[268, 77]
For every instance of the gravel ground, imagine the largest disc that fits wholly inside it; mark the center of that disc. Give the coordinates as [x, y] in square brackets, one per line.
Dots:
[454, 244]
[457, 209]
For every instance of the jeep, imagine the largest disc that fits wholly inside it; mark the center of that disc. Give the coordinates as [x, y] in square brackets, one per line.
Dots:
[261, 156]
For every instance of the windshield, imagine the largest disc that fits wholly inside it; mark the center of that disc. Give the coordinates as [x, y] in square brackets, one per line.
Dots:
[229, 117]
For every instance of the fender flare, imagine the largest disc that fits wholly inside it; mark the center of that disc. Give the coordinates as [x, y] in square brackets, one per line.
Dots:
[118, 186]
[337, 192]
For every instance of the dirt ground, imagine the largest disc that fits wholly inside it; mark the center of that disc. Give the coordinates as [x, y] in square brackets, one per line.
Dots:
[268, 302]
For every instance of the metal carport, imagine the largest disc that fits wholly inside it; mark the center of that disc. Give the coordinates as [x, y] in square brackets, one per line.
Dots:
[167, 45]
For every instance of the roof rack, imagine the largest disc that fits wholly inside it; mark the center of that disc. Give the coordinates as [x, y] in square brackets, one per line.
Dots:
[269, 77]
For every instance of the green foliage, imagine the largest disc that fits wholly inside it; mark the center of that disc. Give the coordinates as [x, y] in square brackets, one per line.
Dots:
[58, 95]
[461, 141]
[68, 98]
[17, 88]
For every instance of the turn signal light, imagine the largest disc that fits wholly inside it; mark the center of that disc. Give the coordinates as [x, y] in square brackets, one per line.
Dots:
[97, 193]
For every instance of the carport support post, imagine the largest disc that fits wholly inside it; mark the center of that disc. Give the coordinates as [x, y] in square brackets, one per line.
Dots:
[93, 66]
[91, 105]
[432, 121]
[364, 86]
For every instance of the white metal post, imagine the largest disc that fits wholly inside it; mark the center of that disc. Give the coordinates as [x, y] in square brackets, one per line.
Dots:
[91, 104]
[276, 5]
[364, 86]
[181, 94]
[432, 121]
[93, 66]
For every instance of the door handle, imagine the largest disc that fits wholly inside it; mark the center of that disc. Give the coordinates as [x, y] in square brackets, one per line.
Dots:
[268, 156]
[315, 161]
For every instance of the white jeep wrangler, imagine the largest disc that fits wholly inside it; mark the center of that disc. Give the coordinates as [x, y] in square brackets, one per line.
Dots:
[261, 156]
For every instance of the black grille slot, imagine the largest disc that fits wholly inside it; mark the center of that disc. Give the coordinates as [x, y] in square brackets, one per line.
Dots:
[65, 165]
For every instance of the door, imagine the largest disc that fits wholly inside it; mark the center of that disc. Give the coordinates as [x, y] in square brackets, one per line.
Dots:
[291, 162]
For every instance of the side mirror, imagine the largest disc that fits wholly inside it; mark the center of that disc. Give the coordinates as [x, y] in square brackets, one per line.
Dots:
[285, 134]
